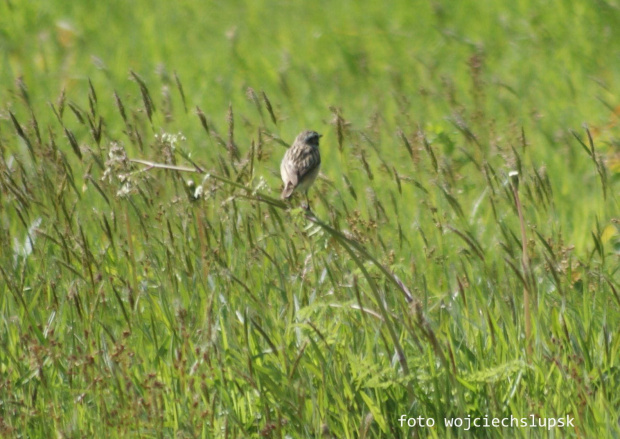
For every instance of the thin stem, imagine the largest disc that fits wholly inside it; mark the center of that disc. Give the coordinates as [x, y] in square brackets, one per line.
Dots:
[525, 262]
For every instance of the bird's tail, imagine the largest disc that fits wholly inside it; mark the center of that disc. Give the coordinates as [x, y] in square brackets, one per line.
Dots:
[287, 191]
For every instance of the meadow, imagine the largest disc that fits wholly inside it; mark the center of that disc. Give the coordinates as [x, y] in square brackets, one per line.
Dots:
[461, 258]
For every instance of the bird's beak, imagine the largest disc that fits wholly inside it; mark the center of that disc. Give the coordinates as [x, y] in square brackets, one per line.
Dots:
[320, 135]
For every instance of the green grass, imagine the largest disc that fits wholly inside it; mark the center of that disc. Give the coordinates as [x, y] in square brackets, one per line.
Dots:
[130, 307]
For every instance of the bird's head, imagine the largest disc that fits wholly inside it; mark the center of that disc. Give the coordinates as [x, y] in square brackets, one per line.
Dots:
[309, 137]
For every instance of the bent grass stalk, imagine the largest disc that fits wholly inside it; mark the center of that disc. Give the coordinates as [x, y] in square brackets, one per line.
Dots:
[349, 246]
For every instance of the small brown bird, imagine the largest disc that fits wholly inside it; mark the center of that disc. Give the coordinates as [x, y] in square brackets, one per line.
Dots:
[301, 164]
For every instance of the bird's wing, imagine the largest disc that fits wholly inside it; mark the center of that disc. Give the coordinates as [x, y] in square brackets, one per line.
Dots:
[308, 161]
[287, 168]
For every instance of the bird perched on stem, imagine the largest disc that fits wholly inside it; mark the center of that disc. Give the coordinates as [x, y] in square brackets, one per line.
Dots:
[301, 164]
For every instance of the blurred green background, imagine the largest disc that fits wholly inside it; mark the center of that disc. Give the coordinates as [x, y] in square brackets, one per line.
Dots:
[147, 314]
[555, 56]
